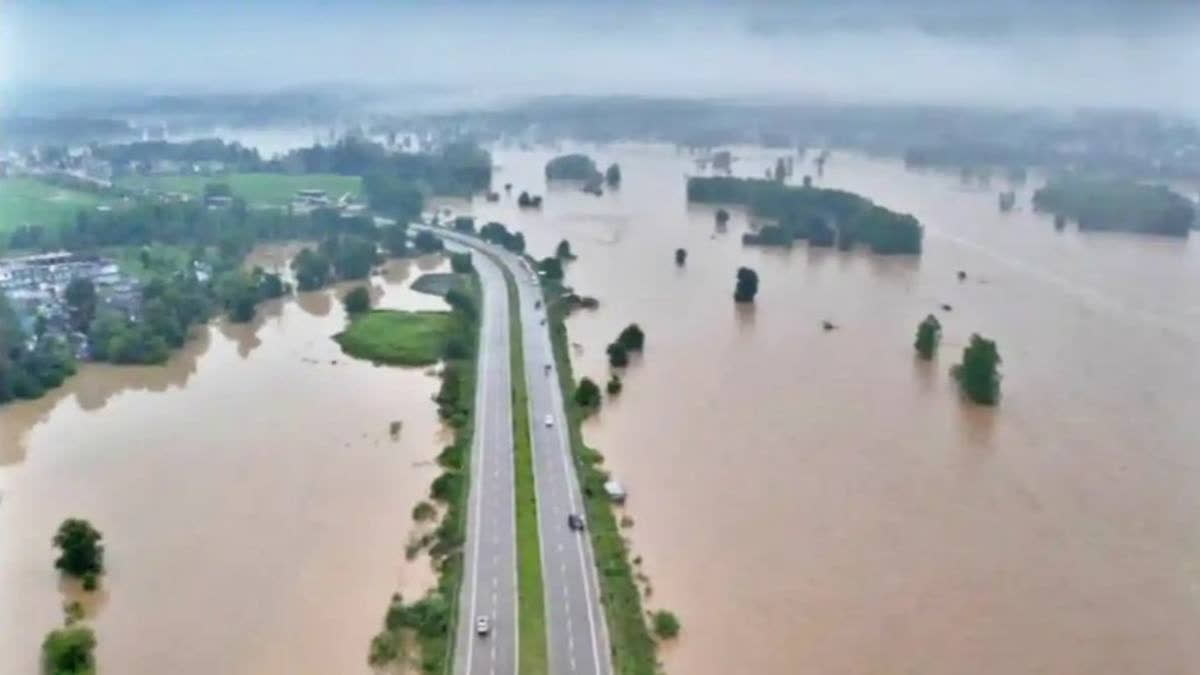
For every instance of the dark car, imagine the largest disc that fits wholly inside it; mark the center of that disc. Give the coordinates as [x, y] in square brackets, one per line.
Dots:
[575, 522]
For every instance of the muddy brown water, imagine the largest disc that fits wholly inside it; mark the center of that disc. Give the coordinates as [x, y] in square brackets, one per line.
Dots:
[807, 502]
[821, 502]
[254, 504]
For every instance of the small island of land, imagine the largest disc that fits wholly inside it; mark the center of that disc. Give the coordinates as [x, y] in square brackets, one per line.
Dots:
[822, 216]
[396, 337]
[1119, 205]
[573, 167]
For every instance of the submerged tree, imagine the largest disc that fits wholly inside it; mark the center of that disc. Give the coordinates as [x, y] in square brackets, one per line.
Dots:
[747, 285]
[613, 175]
[563, 251]
[358, 300]
[618, 355]
[614, 385]
[587, 394]
[680, 257]
[929, 333]
[632, 338]
[68, 651]
[722, 217]
[80, 551]
[977, 375]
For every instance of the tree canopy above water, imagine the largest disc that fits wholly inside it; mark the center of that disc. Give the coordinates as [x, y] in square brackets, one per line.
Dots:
[1117, 205]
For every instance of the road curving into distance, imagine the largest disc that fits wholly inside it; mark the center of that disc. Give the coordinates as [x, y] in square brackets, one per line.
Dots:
[576, 632]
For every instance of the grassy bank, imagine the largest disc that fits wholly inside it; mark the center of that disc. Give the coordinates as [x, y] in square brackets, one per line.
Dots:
[256, 188]
[530, 593]
[430, 622]
[397, 338]
[633, 649]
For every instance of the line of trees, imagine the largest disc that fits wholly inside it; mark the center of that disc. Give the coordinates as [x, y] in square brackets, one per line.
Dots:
[497, 233]
[1116, 204]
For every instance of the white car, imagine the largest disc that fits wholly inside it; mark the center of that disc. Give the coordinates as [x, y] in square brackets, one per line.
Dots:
[482, 625]
[549, 420]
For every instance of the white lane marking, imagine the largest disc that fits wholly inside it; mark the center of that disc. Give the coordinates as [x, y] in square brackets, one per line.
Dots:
[480, 461]
[494, 581]
[572, 664]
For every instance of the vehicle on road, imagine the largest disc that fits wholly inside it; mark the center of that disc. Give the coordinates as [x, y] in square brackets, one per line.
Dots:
[575, 522]
[537, 305]
[547, 369]
[549, 420]
[483, 625]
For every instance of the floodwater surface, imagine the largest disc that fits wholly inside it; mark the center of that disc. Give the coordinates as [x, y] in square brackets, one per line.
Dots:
[822, 502]
[254, 504]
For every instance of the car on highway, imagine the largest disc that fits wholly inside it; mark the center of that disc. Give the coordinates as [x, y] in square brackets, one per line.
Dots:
[575, 522]
[483, 625]
[549, 420]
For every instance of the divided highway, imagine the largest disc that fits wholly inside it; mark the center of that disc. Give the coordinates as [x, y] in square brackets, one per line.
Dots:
[577, 635]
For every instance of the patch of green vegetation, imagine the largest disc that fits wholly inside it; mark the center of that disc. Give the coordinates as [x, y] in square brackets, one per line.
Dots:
[435, 283]
[256, 188]
[530, 599]
[633, 650]
[430, 621]
[28, 201]
[396, 337]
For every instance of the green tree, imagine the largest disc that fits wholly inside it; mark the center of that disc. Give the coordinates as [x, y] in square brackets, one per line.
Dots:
[354, 257]
[632, 338]
[80, 550]
[978, 375]
[618, 355]
[69, 651]
[428, 242]
[612, 175]
[465, 224]
[680, 257]
[460, 263]
[311, 268]
[929, 333]
[587, 394]
[781, 171]
[747, 285]
[665, 624]
[551, 268]
[722, 217]
[395, 239]
[563, 251]
[81, 300]
[358, 300]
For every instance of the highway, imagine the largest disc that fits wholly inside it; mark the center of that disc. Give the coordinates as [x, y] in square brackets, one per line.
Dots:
[577, 634]
[489, 586]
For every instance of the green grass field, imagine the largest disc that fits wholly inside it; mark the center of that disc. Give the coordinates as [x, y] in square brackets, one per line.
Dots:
[255, 188]
[28, 200]
[397, 338]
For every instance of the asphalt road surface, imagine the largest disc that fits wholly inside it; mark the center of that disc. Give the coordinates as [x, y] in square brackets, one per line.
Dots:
[577, 635]
[489, 587]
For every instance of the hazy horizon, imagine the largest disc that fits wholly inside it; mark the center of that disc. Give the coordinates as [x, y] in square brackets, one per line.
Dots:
[1078, 53]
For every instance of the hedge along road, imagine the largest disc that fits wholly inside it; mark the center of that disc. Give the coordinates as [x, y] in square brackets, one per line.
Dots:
[576, 629]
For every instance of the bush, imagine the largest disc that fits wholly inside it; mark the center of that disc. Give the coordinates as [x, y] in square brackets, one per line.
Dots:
[665, 624]
[614, 385]
[423, 511]
[68, 651]
[680, 256]
[460, 263]
[357, 300]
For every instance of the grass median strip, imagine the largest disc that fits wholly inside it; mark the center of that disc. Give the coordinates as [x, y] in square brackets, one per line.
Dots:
[530, 598]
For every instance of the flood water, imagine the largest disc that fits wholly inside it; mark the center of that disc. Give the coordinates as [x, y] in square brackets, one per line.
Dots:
[254, 505]
[822, 502]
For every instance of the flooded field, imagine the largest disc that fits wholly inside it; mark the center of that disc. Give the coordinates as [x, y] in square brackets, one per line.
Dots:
[821, 502]
[254, 504]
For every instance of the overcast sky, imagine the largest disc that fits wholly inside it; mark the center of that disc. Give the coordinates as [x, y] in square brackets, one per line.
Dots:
[1143, 53]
